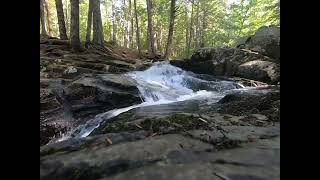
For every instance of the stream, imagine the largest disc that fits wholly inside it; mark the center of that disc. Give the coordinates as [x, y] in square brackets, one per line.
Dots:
[162, 83]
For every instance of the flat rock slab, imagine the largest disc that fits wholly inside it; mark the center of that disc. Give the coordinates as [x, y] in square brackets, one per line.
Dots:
[164, 157]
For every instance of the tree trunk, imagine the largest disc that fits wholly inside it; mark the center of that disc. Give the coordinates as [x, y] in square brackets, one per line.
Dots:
[74, 26]
[61, 22]
[187, 30]
[97, 24]
[131, 26]
[152, 51]
[42, 19]
[48, 17]
[197, 28]
[126, 32]
[89, 22]
[171, 28]
[190, 30]
[67, 17]
[159, 38]
[203, 29]
[114, 26]
[137, 27]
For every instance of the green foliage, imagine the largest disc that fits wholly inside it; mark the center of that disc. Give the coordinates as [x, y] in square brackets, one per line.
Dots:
[216, 23]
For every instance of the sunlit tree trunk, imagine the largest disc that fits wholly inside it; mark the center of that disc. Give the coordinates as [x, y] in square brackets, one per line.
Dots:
[114, 24]
[159, 38]
[131, 25]
[42, 19]
[126, 31]
[67, 16]
[48, 15]
[137, 27]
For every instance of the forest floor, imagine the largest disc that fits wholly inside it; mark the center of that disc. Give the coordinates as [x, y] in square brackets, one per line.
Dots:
[57, 60]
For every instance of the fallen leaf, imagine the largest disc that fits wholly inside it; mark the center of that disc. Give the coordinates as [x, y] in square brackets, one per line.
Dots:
[109, 141]
[138, 126]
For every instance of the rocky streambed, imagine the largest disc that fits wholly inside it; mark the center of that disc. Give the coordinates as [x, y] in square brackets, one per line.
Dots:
[157, 120]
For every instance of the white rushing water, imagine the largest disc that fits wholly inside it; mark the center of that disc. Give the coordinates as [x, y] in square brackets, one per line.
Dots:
[162, 83]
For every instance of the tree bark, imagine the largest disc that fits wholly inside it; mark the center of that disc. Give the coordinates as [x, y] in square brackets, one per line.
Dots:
[171, 28]
[203, 29]
[48, 17]
[97, 24]
[126, 31]
[42, 19]
[159, 38]
[137, 27]
[61, 22]
[197, 27]
[89, 22]
[190, 30]
[114, 26]
[187, 30]
[152, 51]
[74, 26]
[67, 16]
[131, 25]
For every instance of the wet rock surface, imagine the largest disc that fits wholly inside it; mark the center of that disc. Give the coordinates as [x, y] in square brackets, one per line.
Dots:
[64, 105]
[235, 138]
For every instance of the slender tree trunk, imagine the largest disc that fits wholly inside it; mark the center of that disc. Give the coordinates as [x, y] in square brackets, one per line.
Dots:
[114, 26]
[61, 22]
[74, 26]
[152, 51]
[159, 38]
[190, 30]
[42, 19]
[137, 27]
[48, 14]
[67, 16]
[131, 26]
[187, 31]
[89, 22]
[110, 35]
[126, 24]
[203, 29]
[155, 23]
[97, 24]
[197, 28]
[171, 28]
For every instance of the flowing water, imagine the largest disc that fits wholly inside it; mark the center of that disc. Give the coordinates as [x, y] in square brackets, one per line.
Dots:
[162, 83]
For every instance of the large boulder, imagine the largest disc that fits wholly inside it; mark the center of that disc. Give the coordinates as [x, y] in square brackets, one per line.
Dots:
[256, 57]
[260, 70]
[93, 94]
[64, 105]
[231, 62]
[265, 41]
